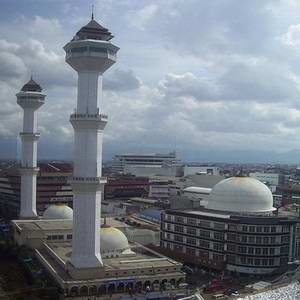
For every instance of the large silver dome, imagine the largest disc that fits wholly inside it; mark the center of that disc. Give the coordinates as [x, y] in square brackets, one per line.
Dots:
[241, 194]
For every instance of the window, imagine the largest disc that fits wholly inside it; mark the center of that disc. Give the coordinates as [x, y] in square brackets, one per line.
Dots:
[285, 239]
[250, 261]
[179, 219]
[271, 261]
[168, 226]
[231, 247]
[250, 250]
[190, 251]
[168, 236]
[232, 227]
[218, 235]
[190, 230]
[251, 239]
[217, 257]
[204, 233]
[204, 244]
[244, 239]
[273, 240]
[284, 250]
[191, 241]
[266, 229]
[257, 251]
[258, 240]
[272, 251]
[273, 229]
[285, 228]
[191, 221]
[251, 229]
[54, 237]
[231, 259]
[242, 249]
[60, 237]
[69, 236]
[178, 238]
[258, 229]
[231, 236]
[265, 251]
[245, 228]
[204, 223]
[264, 262]
[49, 238]
[257, 262]
[220, 226]
[178, 228]
[218, 246]
[266, 240]
[243, 260]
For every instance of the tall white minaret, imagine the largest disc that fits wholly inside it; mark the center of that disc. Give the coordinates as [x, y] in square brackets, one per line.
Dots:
[90, 53]
[30, 98]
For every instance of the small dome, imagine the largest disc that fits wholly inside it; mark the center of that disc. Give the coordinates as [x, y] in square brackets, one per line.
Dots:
[113, 242]
[31, 86]
[58, 211]
[241, 194]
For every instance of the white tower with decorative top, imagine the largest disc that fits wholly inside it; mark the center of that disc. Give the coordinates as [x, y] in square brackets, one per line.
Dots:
[90, 53]
[30, 98]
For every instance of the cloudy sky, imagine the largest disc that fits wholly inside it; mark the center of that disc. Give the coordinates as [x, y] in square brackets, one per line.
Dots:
[217, 80]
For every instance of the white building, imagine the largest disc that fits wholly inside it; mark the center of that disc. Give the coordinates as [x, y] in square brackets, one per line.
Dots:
[30, 98]
[270, 179]
[192, 169]
[90, 53]
[129, 163]
[197, 193]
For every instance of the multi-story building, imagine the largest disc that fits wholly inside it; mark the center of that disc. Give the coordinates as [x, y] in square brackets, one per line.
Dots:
[236, 231]
[191, 169]
[155, 160]
[52, 187]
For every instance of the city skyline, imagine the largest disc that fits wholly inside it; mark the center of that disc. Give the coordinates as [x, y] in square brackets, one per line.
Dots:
[214, 80]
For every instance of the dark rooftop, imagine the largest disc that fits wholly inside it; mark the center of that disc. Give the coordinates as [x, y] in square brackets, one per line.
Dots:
[93, 31]
[31, 86]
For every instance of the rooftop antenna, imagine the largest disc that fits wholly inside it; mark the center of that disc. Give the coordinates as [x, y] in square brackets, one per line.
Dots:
[92, 12]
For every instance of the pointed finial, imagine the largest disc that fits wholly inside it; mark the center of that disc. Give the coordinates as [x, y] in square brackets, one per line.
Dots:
[92, 12]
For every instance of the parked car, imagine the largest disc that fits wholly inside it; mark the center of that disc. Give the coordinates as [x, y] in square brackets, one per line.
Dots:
[187, 270]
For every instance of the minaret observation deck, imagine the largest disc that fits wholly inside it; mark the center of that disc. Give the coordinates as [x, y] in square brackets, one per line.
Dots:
[90, 53]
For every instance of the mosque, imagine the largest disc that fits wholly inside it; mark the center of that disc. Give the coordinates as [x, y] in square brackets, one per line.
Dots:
[86, 257]
[236, 230]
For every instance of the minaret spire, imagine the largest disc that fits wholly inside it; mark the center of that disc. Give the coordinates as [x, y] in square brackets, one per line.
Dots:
[92, 12]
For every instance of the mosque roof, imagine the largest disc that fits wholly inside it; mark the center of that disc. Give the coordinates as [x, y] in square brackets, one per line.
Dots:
[94, 31]
[241, 194]
[113, 240]
[58, 212]
[31, 86]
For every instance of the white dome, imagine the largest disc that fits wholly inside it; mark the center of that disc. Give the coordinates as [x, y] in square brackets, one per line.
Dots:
[58, 211]
[113, 242]
[241, 194]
